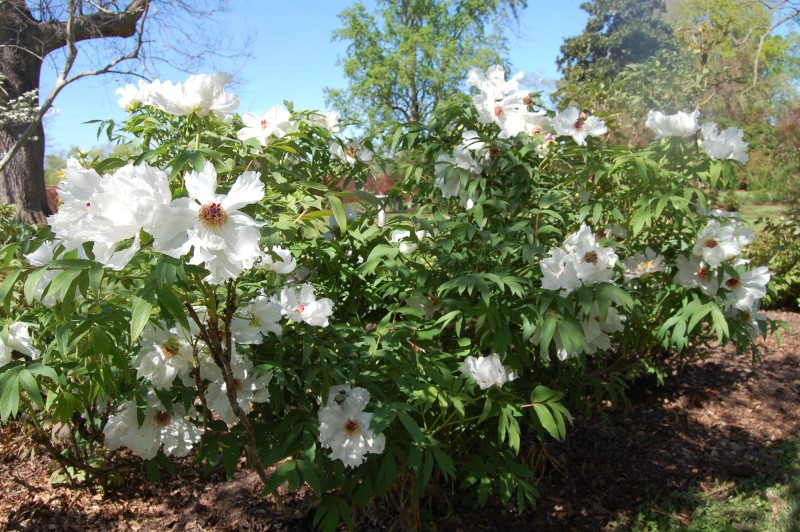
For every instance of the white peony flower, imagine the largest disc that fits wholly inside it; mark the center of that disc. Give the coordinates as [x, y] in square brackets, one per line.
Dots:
[201, 94]
[406, 244]
[210, 225]
[76, 192]
[575, 124]
[678, 125]
[300, 304]
[108, 210]
[717, 243]
[251, 387]
[286, 263]
[487, 371]
[164, 355]
[329, 120]
[596, 330]
[130, 96]
[643, 264]
[172, 429]
[123, 206]
[726, 145]
[256, 320]
[559, 273]
[493, 83]
[123, 430]
[746, 290]
[593, 263]
[19, 339]
[344, 427]
[349, 152]
[273, 123]
[693, 272]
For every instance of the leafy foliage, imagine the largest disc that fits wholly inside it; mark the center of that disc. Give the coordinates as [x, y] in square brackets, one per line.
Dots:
[406, 57]
[412, 301]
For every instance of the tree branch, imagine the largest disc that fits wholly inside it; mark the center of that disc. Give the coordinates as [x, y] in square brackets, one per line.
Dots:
[95, 26]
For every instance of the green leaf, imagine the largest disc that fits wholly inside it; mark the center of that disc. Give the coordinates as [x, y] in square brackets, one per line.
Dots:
[719, 323]
[9, 395]
[32, 282]
[410, 425]
[339, 214]
[172, 306]
[446, 465]
[541, 394]
[309, 474]
[6, 289]
[40, 369]
[140, 315]
[547, 420]
[31, 387]
[698, 315]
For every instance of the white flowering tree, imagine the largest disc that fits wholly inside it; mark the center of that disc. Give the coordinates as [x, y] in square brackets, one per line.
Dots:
[214, 295]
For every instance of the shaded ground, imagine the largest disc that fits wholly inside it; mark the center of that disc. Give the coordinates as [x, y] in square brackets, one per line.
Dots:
[722, 419]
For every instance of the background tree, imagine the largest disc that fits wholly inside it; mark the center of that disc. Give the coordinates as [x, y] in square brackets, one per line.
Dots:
[407, 55]
[618, 33]
[113, 33]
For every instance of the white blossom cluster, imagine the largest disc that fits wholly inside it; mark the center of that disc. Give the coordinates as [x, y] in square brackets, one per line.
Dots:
[499, 101]
[169, 427]
[720, 243]
[728, 144]
[200, 94]
[487, 371]
[581, 261]
[20, 110]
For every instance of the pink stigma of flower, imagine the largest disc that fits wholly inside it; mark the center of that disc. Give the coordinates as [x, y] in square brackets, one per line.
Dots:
[499, 110]
[213, 215]
[351, 427]
[536, 130]
[264, 123]
[88, 204]
[299, 308]
[702, 273]
[710, 243]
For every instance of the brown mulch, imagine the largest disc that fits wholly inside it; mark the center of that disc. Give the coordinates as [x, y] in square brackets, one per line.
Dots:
[721, 419]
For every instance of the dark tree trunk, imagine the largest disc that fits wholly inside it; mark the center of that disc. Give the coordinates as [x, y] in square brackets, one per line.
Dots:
[21, 53]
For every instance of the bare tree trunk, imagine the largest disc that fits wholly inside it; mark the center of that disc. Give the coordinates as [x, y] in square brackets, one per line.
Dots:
[21, 53]
[23, 179]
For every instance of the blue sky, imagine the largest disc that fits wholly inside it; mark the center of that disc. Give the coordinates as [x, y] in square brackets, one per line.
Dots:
[293, 58]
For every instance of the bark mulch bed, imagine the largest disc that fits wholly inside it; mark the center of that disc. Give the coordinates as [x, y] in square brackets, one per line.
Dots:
[721, 419]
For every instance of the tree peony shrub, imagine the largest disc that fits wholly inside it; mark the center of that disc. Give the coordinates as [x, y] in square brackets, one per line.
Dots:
[197, 299]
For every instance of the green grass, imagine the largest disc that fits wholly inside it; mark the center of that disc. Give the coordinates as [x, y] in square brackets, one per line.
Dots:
[769, 502]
